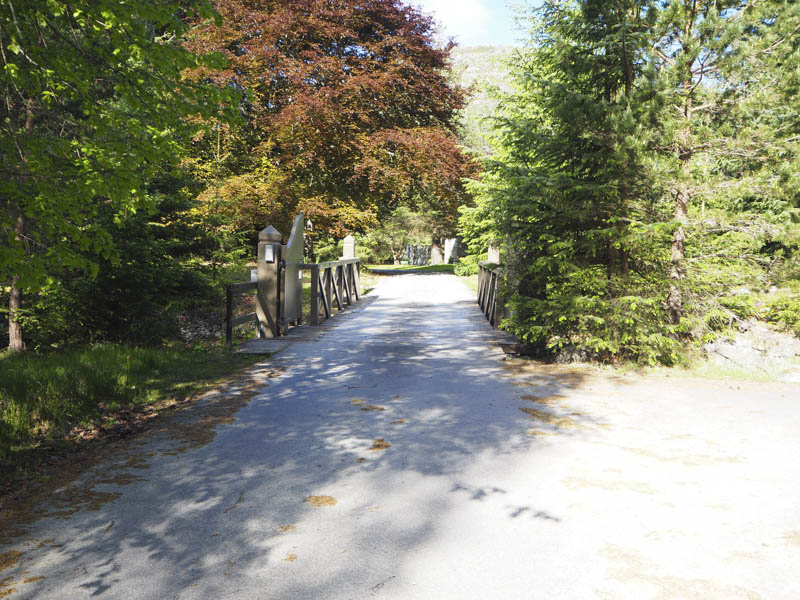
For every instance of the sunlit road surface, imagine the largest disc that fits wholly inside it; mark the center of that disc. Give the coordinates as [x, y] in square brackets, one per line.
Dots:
[396, 454]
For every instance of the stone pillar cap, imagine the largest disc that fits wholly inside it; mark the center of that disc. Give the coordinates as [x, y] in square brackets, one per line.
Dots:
[269, 234]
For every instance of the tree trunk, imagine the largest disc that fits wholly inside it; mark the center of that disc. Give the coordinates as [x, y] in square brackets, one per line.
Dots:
[676, 267]
[612, 259]
[682, 195]
[16, 343]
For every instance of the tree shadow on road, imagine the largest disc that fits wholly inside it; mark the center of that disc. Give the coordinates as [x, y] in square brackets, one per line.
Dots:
[216, 500]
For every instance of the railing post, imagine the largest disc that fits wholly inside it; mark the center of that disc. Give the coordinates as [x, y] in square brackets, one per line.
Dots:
[328, 291]
[339, 277]
[347, 288]
[353, 278]
[482, 287]
[349, 247]
[315, 295]
[499, 300]
[492, 298]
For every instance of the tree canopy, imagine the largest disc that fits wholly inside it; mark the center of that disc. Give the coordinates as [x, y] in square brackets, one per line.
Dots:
[349, 114]
[147, 141]
[93, 105]
[637, 181]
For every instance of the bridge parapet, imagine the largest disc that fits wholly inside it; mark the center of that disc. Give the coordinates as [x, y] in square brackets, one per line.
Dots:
[279, 285]
[490, 294]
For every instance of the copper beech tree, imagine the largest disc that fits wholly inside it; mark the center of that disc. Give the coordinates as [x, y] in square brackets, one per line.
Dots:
[347, 110]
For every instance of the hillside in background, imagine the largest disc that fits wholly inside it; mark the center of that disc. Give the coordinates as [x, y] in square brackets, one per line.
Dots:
[485, 68]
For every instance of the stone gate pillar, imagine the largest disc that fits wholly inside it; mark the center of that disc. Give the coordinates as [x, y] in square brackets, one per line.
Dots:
[494, 253]
[268, 282]
[349, 247]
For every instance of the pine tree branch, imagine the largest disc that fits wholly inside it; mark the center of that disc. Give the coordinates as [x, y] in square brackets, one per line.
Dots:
[789, 36]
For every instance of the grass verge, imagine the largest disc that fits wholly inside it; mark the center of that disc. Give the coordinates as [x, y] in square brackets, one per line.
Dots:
[471, 281]
[413, 268]
[54, 401]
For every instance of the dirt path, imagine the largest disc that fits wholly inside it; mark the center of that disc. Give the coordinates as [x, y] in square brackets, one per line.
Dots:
[397, 454]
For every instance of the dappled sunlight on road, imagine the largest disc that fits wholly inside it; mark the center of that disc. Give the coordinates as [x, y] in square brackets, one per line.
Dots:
[397, 452]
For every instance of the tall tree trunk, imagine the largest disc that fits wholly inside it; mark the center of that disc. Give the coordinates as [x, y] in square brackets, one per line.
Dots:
[16, 341]
[682, 192]
[676, 267]
[612, 260]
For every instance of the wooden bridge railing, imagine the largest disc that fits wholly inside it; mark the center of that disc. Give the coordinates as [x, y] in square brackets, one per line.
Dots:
[337, 281]
[334, 284]
[490, 281]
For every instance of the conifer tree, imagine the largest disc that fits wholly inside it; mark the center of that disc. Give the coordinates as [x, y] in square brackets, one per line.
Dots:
[647, 166]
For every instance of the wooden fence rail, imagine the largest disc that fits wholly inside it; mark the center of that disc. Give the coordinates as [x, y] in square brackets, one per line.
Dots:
[236, 289]
[337, 281]
[490, 280]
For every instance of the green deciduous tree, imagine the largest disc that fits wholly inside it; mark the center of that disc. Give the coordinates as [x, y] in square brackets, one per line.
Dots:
[92, 106]
[397, 231]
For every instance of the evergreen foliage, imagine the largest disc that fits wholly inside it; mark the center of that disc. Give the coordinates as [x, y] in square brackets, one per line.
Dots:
[645, 169]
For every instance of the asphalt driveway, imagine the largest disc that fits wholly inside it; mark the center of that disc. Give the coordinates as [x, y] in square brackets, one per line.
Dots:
[397, 453]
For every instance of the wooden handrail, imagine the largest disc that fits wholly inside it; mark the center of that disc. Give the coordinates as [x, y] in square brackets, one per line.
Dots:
[490, 277]
[332, 263]
[337, 280]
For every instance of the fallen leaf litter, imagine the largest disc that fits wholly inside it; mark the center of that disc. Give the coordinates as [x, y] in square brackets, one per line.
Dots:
[551, 419]
[317, 501]
[380, 444]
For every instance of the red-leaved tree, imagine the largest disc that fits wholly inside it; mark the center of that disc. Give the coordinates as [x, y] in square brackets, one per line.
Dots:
[348, 113]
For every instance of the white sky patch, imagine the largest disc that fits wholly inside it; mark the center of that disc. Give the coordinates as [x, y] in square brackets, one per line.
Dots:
[465, 20]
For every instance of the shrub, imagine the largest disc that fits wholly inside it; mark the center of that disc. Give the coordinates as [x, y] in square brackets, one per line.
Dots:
[784, 310]
[468, 265]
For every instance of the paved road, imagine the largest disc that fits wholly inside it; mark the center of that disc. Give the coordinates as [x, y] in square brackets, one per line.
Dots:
[397, 455]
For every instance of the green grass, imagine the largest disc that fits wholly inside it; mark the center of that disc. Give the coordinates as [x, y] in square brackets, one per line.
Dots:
[42, 397]
[414, 268]
[471, 281]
